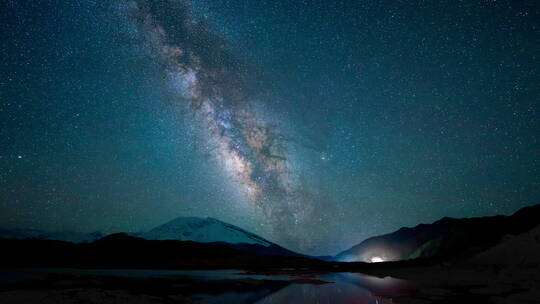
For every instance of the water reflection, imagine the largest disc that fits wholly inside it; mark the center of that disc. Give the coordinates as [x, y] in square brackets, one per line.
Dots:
[238, 287]
[345, 288]
[337, 293]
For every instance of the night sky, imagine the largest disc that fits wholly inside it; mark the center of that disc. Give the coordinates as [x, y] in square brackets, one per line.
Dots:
[315, 124]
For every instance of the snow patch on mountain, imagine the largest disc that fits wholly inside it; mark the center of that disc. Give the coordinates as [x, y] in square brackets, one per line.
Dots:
[204, 230]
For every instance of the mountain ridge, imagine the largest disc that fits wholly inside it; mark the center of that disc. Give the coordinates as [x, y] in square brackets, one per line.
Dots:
[456, 237]
[66, 235]
[207, 230]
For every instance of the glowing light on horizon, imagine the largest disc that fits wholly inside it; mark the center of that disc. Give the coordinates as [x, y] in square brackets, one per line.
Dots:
[376, 259]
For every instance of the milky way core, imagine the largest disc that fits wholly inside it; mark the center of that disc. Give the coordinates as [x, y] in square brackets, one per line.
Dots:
[210, 81]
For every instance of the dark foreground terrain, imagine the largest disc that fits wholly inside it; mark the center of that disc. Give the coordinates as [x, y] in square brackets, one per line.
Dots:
[266, 279]
[421, 284]
[49, 287]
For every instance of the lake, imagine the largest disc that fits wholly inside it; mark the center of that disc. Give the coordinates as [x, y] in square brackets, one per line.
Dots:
[224, 286]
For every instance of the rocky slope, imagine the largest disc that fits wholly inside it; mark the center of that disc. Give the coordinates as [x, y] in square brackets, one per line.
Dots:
[447, 238]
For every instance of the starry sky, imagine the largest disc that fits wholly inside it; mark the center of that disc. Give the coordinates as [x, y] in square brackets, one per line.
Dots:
[315, 124]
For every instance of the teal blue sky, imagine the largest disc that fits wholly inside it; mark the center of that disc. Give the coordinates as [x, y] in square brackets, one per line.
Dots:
[391, 113]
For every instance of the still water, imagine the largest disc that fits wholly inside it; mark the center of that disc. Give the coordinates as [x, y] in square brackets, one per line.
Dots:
[329, 288]
[343, 288]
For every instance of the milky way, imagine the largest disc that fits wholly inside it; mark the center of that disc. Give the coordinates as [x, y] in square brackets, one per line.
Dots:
[210, 81]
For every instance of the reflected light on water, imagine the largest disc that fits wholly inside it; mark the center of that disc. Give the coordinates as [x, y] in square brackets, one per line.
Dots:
[345, 288]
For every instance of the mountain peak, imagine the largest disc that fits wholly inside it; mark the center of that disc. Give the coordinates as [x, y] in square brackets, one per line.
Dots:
[204, 230]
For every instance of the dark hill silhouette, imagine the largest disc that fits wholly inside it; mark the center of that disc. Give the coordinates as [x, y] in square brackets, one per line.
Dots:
[445, 239]
[121, 250]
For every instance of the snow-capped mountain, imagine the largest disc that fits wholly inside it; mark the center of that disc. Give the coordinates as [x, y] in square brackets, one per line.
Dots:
[68, 236]
[203, 230]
